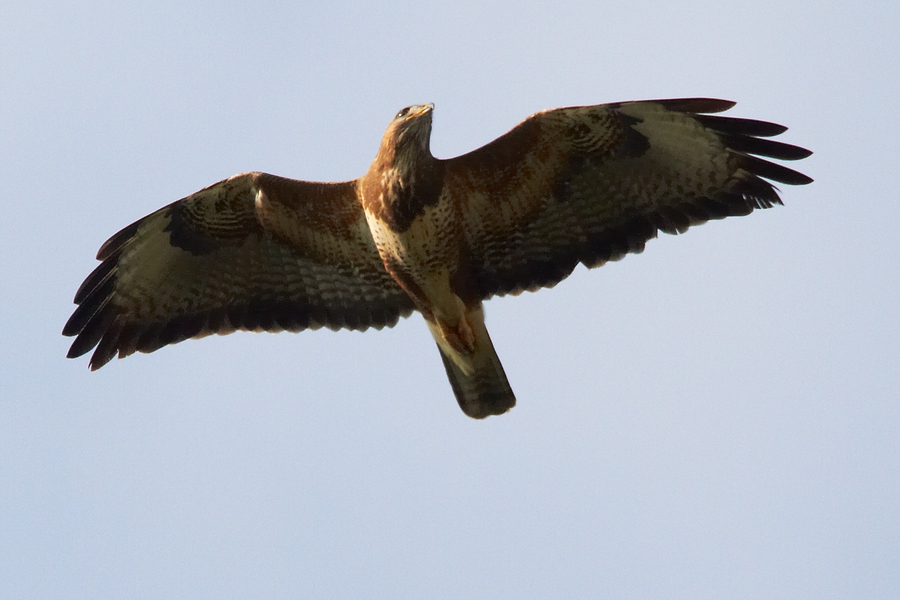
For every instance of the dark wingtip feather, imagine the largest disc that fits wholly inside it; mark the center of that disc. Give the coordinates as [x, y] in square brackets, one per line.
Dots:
[769, 170]
[108, 347]
[746, 137]
[98, 360]
[91, 298]
[76, 322]
[762, 147]
[756, 192]
[696, 105]
[739, 126]
[99, 277]
[115, 243]
[91, 333]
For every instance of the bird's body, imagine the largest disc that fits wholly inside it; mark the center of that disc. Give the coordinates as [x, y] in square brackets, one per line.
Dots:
[583, 184]
[418, 231]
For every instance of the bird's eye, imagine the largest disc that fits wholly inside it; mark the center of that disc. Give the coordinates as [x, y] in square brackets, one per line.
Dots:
[403, 112]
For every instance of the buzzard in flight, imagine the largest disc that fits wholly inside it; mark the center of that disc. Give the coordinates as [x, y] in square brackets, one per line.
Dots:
[572, 185]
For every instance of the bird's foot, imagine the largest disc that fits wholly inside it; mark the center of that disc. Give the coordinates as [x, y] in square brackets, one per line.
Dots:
[460, 337]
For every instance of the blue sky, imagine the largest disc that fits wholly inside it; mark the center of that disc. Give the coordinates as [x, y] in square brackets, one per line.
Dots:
[717, 417]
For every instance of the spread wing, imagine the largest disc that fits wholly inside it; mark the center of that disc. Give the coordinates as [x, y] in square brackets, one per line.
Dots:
[591, 184]
[254, 252]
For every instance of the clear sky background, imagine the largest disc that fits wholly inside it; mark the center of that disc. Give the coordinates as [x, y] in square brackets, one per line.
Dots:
[718, 417]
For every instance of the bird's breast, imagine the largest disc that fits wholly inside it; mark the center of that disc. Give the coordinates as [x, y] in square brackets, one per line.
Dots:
[428, 242]
[425, 256]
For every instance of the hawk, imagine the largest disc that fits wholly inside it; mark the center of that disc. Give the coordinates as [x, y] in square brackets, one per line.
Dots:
[586, 184]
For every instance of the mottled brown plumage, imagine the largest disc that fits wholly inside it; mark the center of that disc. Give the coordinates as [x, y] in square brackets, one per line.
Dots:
[566, 186]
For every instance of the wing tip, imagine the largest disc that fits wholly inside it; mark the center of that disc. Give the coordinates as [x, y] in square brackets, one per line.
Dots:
[696, 105]
[749, 138]
[773, 171]
[117, 240]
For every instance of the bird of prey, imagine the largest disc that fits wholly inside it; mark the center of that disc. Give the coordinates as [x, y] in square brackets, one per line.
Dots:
[586, 184]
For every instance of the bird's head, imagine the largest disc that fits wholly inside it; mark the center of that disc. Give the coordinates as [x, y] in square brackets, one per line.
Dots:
[409, 134]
